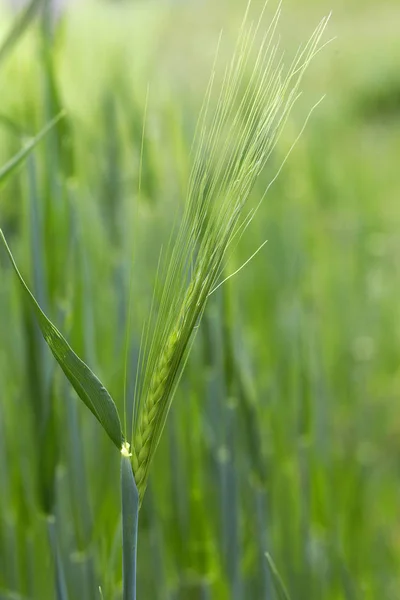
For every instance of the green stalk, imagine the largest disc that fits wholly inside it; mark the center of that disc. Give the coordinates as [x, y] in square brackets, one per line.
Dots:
[79, 495]
[60, 581]
[130, 517]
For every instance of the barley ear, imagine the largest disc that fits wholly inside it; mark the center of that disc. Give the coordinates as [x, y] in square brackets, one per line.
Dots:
[234, 141]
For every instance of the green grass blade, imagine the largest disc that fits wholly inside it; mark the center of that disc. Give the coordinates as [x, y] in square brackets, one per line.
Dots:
[130, 516]
[84, 381]
[18, 158]
[19, 27]
[48, 449]
[60, 584]
[78, 484]
[280, 587]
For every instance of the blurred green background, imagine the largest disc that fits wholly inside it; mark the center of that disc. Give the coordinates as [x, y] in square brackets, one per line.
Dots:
[284, 436]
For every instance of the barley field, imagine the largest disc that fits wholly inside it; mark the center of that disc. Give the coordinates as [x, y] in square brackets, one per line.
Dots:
[245, 437]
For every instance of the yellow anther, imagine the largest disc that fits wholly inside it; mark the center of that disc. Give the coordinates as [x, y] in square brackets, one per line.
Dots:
[125, 450]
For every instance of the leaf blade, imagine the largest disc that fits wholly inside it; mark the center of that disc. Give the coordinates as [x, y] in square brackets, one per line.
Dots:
[20, 156]
[88, 387]
[279, 586]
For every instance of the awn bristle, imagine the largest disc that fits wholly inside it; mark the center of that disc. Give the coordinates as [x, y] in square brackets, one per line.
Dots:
[232, 149]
